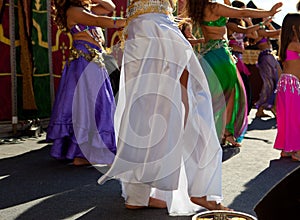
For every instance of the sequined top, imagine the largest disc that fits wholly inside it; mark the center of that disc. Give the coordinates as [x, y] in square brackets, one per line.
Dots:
[263, 40]
[292, 55]
[217, 23]
[95, 32]
[238, 40]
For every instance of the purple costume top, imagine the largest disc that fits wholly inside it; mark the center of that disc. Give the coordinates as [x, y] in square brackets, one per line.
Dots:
[239, 41]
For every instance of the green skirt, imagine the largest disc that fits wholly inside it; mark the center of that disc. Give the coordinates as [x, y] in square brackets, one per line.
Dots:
[223, 79]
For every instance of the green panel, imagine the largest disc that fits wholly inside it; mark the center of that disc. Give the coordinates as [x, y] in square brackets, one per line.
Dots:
[42, 95]
[41, 79]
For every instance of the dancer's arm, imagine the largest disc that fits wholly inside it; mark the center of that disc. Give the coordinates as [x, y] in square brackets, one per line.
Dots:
[81, 16]
[103, 7]
[232, 12]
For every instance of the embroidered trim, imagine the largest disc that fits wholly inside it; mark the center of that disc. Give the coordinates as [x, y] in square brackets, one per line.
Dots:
[212, 45]
[148, 6]
[94, 55]
[288, 81]
[140, 7]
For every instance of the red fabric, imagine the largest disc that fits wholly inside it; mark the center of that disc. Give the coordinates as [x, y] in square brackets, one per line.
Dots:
[60, 52]
[5, 80]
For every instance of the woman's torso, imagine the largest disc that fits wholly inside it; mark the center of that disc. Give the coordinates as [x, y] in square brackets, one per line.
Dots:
[213, 27]
[236, 42]
[263, 43]
[83, 32]
[292, 63]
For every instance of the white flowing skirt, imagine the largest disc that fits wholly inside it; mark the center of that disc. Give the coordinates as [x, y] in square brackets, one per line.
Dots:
[154, 146]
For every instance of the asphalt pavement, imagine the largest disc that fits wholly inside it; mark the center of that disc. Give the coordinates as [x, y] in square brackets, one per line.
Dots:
[35, 186]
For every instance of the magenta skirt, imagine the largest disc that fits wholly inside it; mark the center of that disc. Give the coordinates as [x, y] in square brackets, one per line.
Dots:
[288, 117]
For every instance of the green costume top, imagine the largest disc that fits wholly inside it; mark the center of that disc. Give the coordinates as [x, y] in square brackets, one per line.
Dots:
[217, 23]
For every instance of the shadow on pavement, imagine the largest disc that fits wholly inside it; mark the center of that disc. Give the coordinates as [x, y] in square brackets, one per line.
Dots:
[40, 187]
[229, 152]
[257, 188]
[262, 124]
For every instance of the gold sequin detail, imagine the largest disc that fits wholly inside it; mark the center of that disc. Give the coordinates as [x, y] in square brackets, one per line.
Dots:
[94, 55]
[139, 7]
[148, 6]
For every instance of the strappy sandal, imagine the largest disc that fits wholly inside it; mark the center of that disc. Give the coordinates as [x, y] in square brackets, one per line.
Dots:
[296, 157]
[229, 138]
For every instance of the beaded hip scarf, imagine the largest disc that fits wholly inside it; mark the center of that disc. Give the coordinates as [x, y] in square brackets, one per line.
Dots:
[93, 55]
[140, 7]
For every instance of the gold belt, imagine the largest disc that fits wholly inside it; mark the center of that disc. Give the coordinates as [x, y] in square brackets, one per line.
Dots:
[93, 55]
[140, 7]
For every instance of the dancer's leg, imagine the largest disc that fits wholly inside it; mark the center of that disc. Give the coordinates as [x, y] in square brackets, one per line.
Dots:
[228, 135]
[137, 196]
[184, 96]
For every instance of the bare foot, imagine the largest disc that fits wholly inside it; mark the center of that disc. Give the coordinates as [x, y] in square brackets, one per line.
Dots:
[262, 115]
[209, 205]
[157, 203]
[78, 161]
[296, 156]
[286, 154]
[153, 203]
[273, 110]
[134, 206]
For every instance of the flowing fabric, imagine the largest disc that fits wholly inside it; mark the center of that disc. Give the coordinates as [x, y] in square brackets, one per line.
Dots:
[153, 144]
[268, 70]
[287, 109]
[224, 78]
[242, 68]
[245, 73]
[81, 123]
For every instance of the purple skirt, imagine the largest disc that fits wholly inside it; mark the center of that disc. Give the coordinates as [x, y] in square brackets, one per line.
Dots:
[82, 119]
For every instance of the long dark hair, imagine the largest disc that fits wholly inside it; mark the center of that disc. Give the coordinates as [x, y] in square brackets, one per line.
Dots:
[60, 11]
[194, 9]
[287, 32]
[237, 4]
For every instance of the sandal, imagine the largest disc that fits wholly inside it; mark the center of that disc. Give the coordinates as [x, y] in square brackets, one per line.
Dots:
[296, 157]
[286, 154]
[229, 138]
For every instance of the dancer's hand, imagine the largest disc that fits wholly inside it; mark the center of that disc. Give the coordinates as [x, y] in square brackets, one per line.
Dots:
[276, 8]
[267, 21]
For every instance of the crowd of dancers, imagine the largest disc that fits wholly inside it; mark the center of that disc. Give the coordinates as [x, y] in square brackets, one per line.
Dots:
[176, 106]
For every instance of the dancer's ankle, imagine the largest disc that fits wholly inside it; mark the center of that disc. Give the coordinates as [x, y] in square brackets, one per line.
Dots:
[153, 203]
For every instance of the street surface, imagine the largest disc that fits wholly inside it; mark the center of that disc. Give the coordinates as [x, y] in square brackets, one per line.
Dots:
[35, 186]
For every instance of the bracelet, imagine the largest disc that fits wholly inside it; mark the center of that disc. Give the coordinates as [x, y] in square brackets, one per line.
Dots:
[115, 21]
[261, 25]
